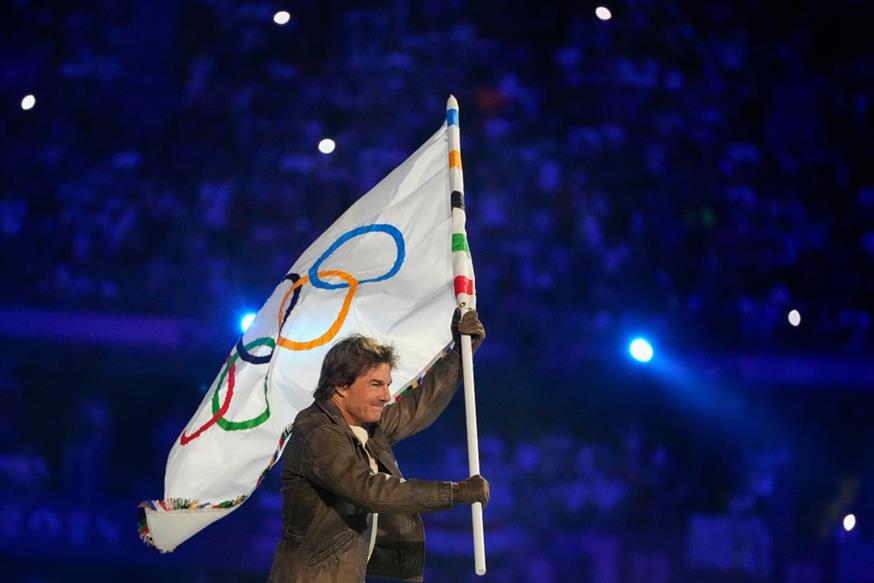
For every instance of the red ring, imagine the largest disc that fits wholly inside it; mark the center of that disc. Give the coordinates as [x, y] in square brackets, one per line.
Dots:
[184, 439]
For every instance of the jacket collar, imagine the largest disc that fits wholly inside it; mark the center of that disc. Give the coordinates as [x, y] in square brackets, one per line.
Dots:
[331, 410]
[380, 452]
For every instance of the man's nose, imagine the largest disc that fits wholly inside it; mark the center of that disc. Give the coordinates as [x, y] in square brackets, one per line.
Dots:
[384, 395]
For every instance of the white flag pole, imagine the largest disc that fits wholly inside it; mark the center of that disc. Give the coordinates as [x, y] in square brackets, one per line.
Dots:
[462, 266]
[479, 545]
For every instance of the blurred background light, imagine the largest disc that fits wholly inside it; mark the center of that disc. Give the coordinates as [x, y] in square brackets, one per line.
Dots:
[640, 350]
[603, 13]
[281, 17]
[28, 102]
[849, 522]
[794, 317]
[327, 146]
[246, 321]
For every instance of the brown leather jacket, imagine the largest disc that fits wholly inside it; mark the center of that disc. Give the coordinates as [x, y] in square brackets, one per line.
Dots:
[330, 493]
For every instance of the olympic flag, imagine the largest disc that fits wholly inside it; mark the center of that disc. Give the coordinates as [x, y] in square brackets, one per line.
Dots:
[383, 269]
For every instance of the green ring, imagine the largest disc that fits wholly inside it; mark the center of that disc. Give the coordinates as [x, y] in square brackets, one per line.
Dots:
[258, 419]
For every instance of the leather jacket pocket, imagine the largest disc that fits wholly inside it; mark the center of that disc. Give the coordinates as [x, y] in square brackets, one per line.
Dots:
[333, 547]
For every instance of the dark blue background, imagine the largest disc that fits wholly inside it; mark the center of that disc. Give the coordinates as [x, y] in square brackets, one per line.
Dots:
[689, 171]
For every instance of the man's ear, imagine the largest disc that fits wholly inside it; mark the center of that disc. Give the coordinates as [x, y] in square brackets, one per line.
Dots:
[341, 391]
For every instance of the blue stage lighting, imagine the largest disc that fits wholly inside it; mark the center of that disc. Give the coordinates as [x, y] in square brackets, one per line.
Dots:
[247, 321]
[640, 350]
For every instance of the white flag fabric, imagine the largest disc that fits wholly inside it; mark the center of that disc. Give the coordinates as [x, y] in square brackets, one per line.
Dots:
[383, 269]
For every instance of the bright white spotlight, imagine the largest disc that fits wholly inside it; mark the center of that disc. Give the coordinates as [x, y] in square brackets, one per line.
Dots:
[247, 321]
[849, 522]
[794, 317]
[281, 17]
[640, 350]
[603, 13]
[28, 102]
[327, 146]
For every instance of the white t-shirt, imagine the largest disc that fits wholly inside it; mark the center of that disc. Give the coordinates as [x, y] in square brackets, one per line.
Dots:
[362, 436]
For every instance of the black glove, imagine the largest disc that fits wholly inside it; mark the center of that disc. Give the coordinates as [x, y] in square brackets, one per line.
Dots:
[473, 489]
[468, 324]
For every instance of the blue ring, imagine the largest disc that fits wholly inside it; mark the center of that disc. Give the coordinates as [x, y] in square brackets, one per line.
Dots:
[395, 234]
[294, 278]
[265, 358]
[249, 357]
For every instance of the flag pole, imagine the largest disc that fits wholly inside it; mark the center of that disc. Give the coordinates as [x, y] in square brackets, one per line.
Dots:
[462, 267]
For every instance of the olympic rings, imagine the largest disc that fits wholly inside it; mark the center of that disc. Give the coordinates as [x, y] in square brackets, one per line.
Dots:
[385, 228]
[229, 371]
[287, 304]
[264, 359]
[294, 279]
[351, 282]
[184, 439]
[248, 356]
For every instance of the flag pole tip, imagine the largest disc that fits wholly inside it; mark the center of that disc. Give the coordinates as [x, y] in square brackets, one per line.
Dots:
[451, 103]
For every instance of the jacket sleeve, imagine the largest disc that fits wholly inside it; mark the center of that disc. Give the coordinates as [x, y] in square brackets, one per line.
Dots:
[420, 407]
[330, 460]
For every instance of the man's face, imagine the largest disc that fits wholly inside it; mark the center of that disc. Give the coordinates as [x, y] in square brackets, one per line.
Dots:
[363, 400]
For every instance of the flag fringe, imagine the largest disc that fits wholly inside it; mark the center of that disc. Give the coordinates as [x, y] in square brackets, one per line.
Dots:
[171, 504]
[420, 378]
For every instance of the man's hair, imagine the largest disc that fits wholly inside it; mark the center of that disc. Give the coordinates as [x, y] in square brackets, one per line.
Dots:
[349, 359]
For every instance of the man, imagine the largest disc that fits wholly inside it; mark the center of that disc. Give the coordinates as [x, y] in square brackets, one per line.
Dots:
[347, 510]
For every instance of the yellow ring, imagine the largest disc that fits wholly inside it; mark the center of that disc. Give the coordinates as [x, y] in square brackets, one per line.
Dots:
[338, 322]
